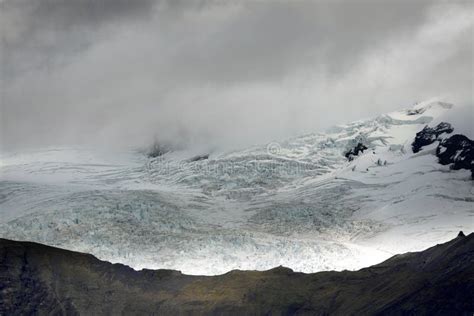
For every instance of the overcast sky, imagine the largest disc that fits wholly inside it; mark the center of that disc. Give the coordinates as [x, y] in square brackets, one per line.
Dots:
[221, 73]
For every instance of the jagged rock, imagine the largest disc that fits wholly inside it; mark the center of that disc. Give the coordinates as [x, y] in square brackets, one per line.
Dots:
[429, 135]
[355, 151]
[457, 150]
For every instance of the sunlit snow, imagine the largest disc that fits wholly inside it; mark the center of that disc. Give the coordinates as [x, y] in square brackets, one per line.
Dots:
[297, 203]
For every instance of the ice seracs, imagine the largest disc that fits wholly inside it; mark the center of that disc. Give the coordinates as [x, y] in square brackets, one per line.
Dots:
[304, 206]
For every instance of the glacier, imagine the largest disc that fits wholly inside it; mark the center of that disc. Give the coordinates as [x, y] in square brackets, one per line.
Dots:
[298, 202]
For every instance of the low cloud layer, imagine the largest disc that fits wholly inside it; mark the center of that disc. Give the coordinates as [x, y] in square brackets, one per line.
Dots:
[217, 73]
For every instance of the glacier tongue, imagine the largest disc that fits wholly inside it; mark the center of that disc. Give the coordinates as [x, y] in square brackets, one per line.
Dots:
[297, 203]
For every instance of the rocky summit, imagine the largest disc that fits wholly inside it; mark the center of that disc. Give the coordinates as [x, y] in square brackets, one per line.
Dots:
[457, 151]
[429, 135]
[43, 280]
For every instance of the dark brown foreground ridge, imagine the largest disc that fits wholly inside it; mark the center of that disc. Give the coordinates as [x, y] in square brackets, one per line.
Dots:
[38, 279]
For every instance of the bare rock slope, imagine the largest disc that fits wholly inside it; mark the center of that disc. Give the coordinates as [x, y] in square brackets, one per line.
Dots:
[38, 279]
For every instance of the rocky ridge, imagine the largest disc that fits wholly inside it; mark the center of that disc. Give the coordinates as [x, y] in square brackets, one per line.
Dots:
[42, 280]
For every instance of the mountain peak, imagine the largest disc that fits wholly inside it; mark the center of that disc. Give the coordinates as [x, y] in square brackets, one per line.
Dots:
[432, 103]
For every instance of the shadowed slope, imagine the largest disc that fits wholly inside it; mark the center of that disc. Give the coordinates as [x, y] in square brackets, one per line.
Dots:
[46, 280]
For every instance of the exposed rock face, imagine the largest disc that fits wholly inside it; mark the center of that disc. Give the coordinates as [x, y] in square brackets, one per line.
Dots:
[355, 151]
[199, 158]
[457, 150]
[415, 111]
[158, 149]
[37, 279]
[429, 135]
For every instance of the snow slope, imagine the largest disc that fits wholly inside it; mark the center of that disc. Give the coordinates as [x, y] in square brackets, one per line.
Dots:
[297, 203]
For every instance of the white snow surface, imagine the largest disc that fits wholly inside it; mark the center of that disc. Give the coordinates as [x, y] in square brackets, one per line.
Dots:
[297, 203]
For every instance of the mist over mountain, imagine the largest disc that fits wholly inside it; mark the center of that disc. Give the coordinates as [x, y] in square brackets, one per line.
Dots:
[236, 157]
[343, 199]
[221, 74]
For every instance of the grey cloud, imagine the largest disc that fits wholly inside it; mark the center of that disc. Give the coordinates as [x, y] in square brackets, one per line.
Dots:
[216, 72]
[267, 41]
[44, 33]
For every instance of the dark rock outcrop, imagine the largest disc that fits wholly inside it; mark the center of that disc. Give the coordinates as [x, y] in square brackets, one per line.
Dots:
[355, 151]
[199, 158]
[457, 151]
[415, 111]
[41, 280]
[429, 135]
[158, 150]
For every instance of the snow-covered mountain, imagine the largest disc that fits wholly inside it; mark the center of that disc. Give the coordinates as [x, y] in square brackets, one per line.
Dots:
[300, 202]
